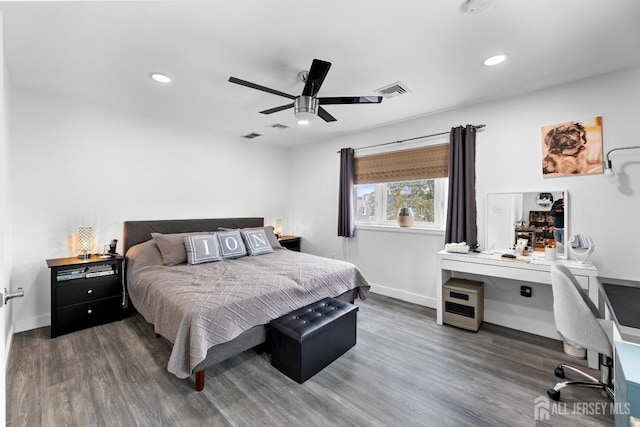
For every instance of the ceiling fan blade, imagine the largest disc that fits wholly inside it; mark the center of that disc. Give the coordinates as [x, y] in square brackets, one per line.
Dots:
[276, 109]
[350, 100]
[262, 88]
[324, 115]
[317, 74]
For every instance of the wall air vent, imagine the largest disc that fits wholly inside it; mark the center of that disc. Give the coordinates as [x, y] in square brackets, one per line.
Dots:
[279, 126]
[393, 89]
[251, 135]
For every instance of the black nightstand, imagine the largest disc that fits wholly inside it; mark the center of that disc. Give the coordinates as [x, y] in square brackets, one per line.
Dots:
[85, 293]
[290, 242]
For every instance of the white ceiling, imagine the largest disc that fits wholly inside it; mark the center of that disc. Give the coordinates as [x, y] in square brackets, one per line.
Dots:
[104, 52]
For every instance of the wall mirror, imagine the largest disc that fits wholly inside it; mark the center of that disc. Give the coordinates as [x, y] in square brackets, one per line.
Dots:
[534, 215]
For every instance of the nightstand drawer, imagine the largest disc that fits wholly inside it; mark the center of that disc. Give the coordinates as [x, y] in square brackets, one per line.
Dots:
[83, 290]
[290, 242]
[80, 316]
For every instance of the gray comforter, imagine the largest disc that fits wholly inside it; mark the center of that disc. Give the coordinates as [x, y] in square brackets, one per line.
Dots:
[199, 306]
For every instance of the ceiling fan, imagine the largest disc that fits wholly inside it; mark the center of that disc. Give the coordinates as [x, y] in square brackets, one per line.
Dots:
[308, 105]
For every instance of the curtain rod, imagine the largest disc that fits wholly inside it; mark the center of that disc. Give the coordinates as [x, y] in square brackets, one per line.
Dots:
[411, 139]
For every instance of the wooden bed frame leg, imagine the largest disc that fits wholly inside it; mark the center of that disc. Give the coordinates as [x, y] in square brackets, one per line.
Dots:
[200, 380]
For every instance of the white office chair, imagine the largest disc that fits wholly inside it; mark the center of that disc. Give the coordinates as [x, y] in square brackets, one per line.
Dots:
[579, 323]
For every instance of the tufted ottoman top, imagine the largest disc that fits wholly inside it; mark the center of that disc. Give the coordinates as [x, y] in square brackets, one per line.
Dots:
[305, 322]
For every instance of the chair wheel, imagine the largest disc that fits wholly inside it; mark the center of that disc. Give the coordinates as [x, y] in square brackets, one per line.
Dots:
[559, 372]
[553, 394]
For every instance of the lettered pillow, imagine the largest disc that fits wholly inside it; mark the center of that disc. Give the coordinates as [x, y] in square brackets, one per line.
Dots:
[202, 248]
[256, 241]
[273, 240]
[231, 244]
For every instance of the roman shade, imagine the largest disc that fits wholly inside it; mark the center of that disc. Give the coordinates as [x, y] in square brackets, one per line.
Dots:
[404, 165]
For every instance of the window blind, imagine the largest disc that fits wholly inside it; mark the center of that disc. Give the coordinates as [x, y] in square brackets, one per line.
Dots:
[404, 165]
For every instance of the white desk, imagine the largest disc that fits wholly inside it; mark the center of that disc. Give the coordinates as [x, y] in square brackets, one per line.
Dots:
[537, 270]
[622, 299]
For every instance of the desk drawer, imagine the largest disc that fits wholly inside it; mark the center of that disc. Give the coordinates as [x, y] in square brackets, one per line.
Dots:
[87, 290]
[80, 316]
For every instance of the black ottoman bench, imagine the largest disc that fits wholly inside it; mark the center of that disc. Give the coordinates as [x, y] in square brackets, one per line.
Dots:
[307, 340]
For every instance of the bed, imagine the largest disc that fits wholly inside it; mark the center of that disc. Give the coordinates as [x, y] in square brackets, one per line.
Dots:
[215, 310]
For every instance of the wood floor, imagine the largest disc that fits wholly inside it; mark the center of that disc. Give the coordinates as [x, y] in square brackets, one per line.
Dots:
[404, 371]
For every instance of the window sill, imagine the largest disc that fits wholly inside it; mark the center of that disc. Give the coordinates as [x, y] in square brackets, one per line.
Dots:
[397, 229]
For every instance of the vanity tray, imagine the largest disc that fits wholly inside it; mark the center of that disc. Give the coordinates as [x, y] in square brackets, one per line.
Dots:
[458, 248]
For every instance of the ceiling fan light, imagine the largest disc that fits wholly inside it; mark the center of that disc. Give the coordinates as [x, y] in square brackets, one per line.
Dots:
[305, 108]
[304, 118]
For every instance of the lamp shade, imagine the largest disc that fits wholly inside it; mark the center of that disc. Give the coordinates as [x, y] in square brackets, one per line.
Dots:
[85, 242]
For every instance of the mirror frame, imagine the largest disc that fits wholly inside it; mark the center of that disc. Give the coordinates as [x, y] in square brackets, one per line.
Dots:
[488, 211]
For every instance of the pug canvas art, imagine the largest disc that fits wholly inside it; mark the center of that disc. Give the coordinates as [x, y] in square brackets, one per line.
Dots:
[572, 148]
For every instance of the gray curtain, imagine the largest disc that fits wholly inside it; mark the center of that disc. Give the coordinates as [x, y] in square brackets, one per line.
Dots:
[346, 226]
[461, 212]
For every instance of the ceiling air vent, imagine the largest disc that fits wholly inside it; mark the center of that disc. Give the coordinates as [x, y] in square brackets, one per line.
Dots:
[279, 126]
[251, 135]
[476, 6]
[393, 89]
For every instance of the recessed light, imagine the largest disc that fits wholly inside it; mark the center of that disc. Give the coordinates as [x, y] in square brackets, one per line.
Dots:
[495, 60]
[303, 122]
[160, 78]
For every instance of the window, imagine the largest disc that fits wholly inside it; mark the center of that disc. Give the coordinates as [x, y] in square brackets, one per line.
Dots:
[379, 203]
[415, 178]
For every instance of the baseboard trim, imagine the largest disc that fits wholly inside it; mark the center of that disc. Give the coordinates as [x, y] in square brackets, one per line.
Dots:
[7, 345]
[36, 322]
[404, 295]
[32, 323]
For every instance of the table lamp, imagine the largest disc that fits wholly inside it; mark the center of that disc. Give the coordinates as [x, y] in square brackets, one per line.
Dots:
[85, 242]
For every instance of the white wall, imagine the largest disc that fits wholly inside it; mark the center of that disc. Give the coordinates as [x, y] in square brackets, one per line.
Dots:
[508, 160]
[76, 164]
[6, 330]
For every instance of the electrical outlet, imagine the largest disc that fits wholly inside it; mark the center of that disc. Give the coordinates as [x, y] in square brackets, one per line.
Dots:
[525, 291]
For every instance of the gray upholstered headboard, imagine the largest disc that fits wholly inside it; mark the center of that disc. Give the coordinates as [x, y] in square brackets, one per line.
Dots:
[140, 231]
